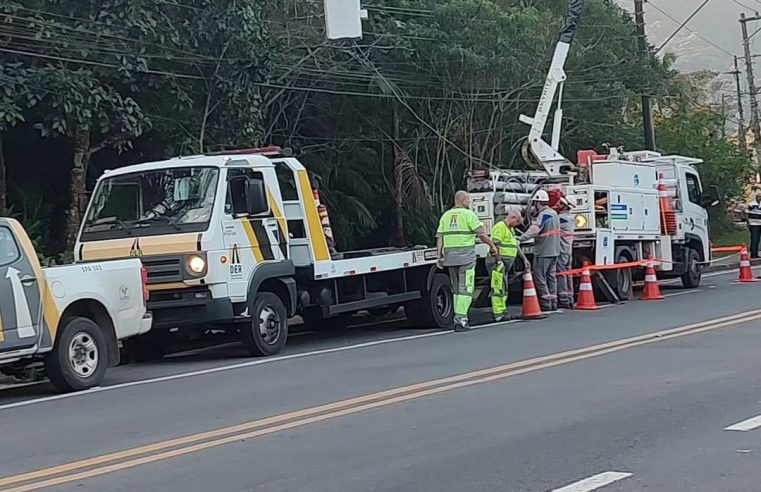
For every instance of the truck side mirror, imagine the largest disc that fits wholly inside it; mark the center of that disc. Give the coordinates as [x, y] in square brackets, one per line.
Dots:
[249, 196]
[710, 197]
[256, 197]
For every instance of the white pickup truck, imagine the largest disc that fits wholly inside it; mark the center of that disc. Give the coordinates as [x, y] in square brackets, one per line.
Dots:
[71, 316]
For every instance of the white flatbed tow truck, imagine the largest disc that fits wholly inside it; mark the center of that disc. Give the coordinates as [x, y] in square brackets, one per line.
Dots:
[234, 241]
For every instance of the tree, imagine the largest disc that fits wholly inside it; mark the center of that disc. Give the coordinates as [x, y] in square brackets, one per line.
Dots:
[445, 81]
[697, 132]
[93, 73]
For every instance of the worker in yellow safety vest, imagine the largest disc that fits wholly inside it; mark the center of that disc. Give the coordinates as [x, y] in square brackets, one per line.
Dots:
[456, 248]
[503, 236]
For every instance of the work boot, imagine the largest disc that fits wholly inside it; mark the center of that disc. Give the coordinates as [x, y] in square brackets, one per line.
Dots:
[502, 318]
[565, 305]
[461, 325]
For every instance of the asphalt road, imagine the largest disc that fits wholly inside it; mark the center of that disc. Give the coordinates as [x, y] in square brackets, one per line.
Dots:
[645, 396]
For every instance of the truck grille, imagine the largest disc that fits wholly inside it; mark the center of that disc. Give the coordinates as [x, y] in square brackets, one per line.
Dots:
[163, 269]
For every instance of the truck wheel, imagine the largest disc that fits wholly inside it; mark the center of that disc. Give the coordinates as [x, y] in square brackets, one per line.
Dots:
[80, 357]
[268, 330]
[620, 280]
[436, 308]
[694, 274]
[314, 320]
[146, 348]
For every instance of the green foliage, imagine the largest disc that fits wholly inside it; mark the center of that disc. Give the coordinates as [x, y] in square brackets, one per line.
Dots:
[388, 125]
[698, 133]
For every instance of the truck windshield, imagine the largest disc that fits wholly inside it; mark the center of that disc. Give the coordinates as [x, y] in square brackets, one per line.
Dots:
[151, 203]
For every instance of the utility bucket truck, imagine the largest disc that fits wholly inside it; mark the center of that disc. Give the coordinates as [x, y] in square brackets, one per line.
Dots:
[237, 241]
[631, 205]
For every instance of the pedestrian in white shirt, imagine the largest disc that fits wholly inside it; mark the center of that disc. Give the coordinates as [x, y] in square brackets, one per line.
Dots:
[753, 212]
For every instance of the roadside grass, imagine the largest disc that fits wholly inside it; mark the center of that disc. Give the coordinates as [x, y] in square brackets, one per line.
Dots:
[736, 236]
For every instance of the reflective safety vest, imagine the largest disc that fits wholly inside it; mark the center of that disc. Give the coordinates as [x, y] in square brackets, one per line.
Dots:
[458, 227]
[504, 237]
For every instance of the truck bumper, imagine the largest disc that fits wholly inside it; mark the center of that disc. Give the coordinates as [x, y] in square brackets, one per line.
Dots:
[188, 307]
[146, 323]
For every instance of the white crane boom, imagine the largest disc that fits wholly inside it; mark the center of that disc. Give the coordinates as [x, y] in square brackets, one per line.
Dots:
[537, 152]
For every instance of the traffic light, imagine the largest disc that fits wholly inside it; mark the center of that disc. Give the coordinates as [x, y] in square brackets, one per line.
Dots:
[343, 19]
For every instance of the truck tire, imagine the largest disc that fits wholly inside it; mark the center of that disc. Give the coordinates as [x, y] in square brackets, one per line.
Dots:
[80, 357]
[146, 348]
[267, 332]
[694, 272]
[436, 308]
[621, 280]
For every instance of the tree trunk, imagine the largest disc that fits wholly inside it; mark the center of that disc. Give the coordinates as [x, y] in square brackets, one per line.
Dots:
[77, 183]
[397, 235]
[3, 186]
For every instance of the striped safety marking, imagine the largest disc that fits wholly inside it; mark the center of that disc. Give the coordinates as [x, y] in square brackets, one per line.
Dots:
[50, 313]
[316, 236]
[282, 225]
[252, 240]
[651, 278]
[585, 286]
[529, 293]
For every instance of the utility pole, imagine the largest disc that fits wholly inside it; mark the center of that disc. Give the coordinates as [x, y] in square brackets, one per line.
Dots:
[741, 137]
[754, 121]
[723, 116]
[644, 52]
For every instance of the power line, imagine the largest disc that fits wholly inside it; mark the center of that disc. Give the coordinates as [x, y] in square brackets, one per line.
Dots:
[669, 16]
[744, 6]
[681, 26]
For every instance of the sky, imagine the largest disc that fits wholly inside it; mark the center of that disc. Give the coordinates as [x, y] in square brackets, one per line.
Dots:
[715, 35]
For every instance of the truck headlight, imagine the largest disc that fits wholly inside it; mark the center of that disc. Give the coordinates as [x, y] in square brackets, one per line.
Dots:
[582, 221]
[195, 265]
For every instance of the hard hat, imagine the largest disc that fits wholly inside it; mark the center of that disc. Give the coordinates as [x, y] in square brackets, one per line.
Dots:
[541, 196]
[570, 201]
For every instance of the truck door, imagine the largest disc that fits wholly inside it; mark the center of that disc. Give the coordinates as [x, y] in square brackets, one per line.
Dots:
[694, 220]
[250, 238]
[20, 303]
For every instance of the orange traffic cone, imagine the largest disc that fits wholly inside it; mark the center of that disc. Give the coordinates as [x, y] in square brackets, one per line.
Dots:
[746, 274]
[652, 291]
[668, 214]
[586, 292]
[531, 309]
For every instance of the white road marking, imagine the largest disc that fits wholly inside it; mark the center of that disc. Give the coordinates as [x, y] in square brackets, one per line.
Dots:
[497, 323]
[683, 293]
[213, 370]
[746, 425]
[594, 482]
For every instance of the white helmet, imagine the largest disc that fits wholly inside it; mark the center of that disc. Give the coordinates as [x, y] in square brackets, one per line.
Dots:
[571, 201]
[541, 196]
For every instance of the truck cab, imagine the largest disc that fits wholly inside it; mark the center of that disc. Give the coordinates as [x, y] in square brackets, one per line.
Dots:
[236, 241]
[71, 317]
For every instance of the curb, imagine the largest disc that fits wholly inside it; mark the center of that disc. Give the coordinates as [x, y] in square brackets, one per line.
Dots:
[730, 266]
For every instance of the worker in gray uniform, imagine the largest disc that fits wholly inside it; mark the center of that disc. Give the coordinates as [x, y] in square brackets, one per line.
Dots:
[565, 260]
[545, 231]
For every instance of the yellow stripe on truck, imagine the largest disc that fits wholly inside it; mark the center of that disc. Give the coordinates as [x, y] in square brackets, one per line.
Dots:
[316, 235]
[50, 313]
[254, 244]
[140, 246]
[278, 214]
[2, 336]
